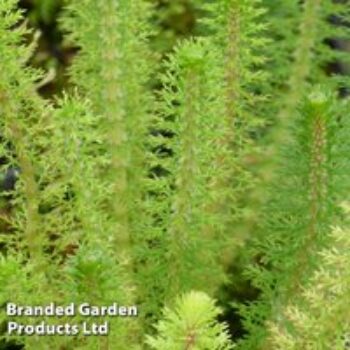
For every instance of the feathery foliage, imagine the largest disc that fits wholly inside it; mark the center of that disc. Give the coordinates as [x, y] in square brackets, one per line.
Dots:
[296, 223]
[191, 325]
[321, 320]
[151, 173]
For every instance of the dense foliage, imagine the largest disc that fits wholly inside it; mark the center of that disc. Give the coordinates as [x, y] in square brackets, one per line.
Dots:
[177, 155]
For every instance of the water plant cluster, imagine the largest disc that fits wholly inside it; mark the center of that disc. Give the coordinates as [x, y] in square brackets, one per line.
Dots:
[167, 179]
